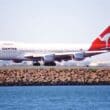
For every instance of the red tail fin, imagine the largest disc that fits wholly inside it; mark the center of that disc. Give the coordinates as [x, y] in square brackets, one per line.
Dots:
[102, 41]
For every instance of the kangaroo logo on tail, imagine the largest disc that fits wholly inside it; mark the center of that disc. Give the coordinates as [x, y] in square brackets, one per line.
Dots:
[105, 38]
[102, 41]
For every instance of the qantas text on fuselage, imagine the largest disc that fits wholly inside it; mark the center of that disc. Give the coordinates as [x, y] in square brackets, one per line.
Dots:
[50, 53]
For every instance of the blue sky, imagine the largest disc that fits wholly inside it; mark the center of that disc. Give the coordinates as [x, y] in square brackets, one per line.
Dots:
[53, 21]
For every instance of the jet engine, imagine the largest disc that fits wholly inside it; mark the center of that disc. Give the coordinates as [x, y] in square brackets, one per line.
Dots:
[78, 56]
[49, 58]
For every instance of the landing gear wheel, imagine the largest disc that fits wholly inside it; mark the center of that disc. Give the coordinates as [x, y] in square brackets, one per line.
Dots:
[50, 64]
[36, 64]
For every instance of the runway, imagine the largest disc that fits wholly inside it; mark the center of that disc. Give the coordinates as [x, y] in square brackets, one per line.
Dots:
[54, 67]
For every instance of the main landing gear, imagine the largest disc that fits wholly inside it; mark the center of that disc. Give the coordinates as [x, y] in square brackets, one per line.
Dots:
[36, 64]
[45, 64]
[49, 64]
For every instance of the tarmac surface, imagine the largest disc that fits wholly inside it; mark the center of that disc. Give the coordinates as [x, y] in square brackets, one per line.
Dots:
[55, 67]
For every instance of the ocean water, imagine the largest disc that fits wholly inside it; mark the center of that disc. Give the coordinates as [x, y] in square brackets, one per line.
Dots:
[55, 98]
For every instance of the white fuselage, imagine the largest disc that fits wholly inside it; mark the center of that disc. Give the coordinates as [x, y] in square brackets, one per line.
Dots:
[12, 50]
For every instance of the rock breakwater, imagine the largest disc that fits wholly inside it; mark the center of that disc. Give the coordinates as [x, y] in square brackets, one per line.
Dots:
[54, 76]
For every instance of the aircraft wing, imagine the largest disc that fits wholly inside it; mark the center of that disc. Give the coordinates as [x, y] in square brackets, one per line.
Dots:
[63, 55]
[33, 56]
[92, 53]
[57, 56]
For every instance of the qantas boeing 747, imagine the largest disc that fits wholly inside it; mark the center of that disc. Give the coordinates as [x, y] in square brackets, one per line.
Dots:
[50, 53]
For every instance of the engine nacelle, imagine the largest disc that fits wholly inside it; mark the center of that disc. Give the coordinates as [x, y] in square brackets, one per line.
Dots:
[78, 56]
[49, 58]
